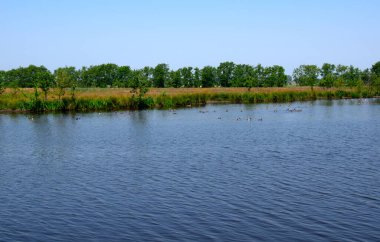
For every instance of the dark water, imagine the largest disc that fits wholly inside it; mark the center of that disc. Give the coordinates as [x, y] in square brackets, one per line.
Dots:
[194, 176]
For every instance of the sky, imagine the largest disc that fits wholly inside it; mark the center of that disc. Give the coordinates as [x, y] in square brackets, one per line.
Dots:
[139, 33]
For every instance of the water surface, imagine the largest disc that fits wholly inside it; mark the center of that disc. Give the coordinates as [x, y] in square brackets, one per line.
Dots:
[216, 173]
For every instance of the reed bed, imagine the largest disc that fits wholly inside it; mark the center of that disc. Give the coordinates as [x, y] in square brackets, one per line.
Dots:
[108, 99]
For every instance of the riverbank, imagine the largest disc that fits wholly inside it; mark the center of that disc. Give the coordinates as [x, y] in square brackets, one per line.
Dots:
[109, 99]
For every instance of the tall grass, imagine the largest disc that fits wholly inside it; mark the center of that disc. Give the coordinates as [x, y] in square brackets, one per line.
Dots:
[121, 99]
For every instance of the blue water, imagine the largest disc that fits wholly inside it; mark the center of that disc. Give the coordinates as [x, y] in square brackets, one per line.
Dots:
[216, 173]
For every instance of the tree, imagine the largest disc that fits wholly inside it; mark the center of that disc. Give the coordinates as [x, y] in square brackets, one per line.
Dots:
[160, 75]
[328, 75]
[260, 75]
[124, 75]
[306, 75]
[2, 81]
[187, 76]
[353, 76]
[275, 76]
[225, 73]
[65, 77]
[176, 79]
[208, 74]
[45, 80]
[197, 77]
[366, 76]
[140, 86]
[241, 74]
[375, 77]
[100, 76]
[27, 76]
[376, 69]
[327, 69]
[148, 73]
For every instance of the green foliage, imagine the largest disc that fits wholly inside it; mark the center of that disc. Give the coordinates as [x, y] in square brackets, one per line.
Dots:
[160, 75]
[376, 69]
[65, 77]
[306, 75]
[99, 76]
[2, 80]
[328, 75]
[208, 75]
[175, 78]
[375, 85]
[124, 75]
[45, 80]
[187, 76]
[140, 86]
[241, 74]
[197, 77]
[275, 76]
[225, 72]
[28, 76]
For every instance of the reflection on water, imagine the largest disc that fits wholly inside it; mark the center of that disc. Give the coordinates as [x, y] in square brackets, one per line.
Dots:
[220, 172]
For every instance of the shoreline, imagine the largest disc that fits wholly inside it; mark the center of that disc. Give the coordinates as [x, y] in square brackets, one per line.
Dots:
[94, 100]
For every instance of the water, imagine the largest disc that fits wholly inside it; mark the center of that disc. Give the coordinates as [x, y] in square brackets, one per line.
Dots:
[206, 174]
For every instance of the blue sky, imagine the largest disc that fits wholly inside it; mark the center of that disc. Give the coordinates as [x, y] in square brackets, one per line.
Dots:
[188, 32]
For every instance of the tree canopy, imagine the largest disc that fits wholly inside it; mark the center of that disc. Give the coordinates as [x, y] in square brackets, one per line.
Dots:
[226, 74]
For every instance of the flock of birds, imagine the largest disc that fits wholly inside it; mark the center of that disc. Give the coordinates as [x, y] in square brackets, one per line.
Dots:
[277, 107]
[250, 117]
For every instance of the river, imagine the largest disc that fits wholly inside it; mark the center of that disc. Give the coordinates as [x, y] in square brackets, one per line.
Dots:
[270, 172]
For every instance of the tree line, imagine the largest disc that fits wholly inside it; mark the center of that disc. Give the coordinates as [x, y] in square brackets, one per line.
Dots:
[227, 74]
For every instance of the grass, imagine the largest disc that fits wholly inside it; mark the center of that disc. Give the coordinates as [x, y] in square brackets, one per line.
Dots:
[108, 99]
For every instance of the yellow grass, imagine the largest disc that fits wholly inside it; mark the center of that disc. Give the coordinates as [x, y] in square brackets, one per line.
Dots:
[89, 93]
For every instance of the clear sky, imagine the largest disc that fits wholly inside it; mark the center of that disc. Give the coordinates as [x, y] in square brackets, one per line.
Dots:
[188, 32]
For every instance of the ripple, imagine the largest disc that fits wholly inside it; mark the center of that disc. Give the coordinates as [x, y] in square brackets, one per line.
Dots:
[151, 176]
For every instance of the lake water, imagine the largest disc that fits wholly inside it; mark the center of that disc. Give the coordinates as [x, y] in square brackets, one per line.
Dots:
[216, 173]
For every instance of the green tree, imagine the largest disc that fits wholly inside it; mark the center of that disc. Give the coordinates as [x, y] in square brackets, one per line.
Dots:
[225, 72]
[176, 79]
[161, 75]
[275, 76]
[328, 75]
[45, 80]
[353, 76]
[197, 77]
[65, 77]
[306, 75]
[327, 69]
[260, 75]
[124, 75]
[140, 86]
[366, 76]
[208, 75]
[241, 74]
[187, 76]
[2, 82]
[27, 76]
[100, 76]
[375, 78]
[148, 73]
[376, 69]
